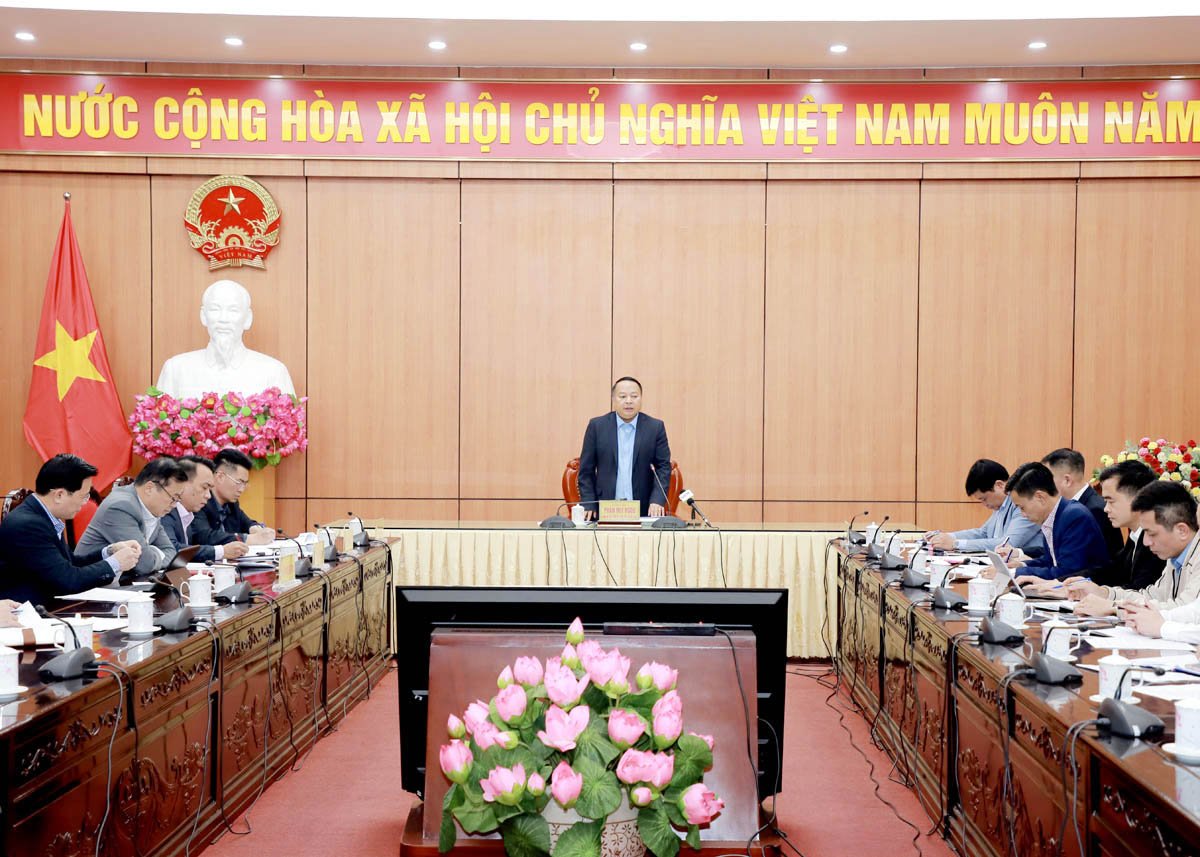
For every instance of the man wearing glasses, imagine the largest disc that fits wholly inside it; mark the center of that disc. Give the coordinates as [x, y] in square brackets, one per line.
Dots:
[134, 512]
[221, 521]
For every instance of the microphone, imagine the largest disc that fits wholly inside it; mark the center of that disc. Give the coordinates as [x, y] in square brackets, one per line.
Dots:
[560, 522]
[46, 614]
[873, 550]
[688, 497]
[853, 538]
[666, 522]
[361, 540]
[1135, 668]
[73, 664]
[303, 564]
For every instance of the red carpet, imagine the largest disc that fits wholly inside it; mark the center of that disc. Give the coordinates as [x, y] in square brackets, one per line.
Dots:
[347, 797]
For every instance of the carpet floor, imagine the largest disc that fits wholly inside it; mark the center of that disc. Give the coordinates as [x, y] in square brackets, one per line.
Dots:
[346, 798]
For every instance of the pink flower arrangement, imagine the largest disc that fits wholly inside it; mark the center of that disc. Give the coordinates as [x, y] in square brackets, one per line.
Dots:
[267, 426]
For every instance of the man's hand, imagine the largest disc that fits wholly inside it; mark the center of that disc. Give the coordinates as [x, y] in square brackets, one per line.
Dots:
[1095, 605]
[133, 544]
[260, 536]
[8, 616]
[234, 550]
[1038, 584]
[1081, 587]
[1144, 619]
[126, 556]
[656, 510]
[942, 541]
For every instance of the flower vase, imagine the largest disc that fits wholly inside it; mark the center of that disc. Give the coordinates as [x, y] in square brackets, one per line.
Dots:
[618, 838]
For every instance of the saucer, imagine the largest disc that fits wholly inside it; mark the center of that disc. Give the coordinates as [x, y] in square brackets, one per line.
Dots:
[209, 606]
[13, 692]
[1066, 659]
[1187, 755]
[154, 629]
[1131, 700]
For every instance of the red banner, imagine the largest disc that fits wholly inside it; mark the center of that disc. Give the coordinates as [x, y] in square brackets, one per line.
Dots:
[600, 121]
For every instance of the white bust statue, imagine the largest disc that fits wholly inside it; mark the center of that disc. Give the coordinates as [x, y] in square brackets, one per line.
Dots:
[226, 365]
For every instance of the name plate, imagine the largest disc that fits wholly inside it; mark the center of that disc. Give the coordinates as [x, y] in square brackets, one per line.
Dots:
[287, 570]
[620, 512]
[345, 541]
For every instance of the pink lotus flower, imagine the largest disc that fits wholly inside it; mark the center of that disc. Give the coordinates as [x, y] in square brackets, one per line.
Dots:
[486, 734]
[625, 727]
[565, 785]
[455, 727]
[637, 766]
[510, 703]
[608, 669]
[477, 713]
[707, 739]
[505, 678]
[641, 796]
[668, 720]
[656, 675]
[569, 656]
[587, 650]
[536, 784]
[504, 785]
[456, 761]
[528, 671]
[563, 688]
[562, 728]
[575, 632]
[699, 805]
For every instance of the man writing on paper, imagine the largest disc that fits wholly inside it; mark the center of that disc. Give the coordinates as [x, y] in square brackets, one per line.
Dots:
[619, 450]
[196, 494]
[1170, 529]
[221, 520]
[985, 485]
[38, 565]
[134, 512]
[1072, 536]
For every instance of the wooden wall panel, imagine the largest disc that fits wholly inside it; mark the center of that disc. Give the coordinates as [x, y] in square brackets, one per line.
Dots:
[951, 516]
[837, 514]
[383, 332]
[518, 511]
[277, 294]
[995, 354]
[111, 216]
[323, 510]
[841, 345]
[536, 330]
[688, 290]
[1136, 310]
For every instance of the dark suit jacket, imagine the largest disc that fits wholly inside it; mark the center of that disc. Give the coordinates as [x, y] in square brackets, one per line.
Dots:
[1135, 567]
[173, 526]
[598, 461]
[218, 524]
[1112, 536]
[1078, 544]
[37, 563]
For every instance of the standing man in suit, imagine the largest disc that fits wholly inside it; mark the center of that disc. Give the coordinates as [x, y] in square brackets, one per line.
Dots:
[134, 512]
[619, 450]
[177, 522]
[37, 562]
[221, 520]
[1072, 536]
[1070, 475]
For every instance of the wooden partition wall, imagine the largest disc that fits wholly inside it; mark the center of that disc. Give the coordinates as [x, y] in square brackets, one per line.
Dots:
[820, 339]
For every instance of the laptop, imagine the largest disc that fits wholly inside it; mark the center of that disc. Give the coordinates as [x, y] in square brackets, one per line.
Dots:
[1004, 576]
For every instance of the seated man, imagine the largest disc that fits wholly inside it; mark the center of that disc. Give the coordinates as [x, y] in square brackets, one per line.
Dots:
[221, 520]
[1070, 469]
[1135, 566]
[985, 485]
[1072, 536]
[37, 563]
[133, 513]
[177, 522]
[1167, 513]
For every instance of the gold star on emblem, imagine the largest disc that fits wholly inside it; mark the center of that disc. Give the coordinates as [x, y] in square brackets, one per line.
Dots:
[70, 359]
[231, 202]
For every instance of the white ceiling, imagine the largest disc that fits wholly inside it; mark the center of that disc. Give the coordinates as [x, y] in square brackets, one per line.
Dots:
[364, 35]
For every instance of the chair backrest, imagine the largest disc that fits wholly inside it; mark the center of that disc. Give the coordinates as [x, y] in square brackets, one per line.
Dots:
[570, 484]
[121, 481]
[13, 499]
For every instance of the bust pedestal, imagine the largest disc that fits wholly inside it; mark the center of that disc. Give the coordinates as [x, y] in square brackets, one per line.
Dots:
[258, 500]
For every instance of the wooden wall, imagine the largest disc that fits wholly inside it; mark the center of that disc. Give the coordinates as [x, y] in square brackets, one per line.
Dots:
[821, 339]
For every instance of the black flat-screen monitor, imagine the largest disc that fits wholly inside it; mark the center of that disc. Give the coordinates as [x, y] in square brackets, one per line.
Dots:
[422, 609]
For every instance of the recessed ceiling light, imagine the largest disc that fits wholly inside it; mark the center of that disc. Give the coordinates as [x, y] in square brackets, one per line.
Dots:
[993, 80]
[275, 76]
[1036, 46]
[1177, 77]
[25, 37]
[816, 79]
[637, 46]
[233, 41]
[437, 45]
[838, 49]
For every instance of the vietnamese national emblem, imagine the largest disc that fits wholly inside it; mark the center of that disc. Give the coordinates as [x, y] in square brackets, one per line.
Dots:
[232, 221]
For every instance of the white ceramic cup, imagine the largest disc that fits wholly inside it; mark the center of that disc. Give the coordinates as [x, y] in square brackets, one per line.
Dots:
[577, 514]
[1011, 609]
[1060, 639]
[1114, 668]
[197, 590]
[66, 640]
[224, 576]
[1187, 725]
[9, 660]
[140, 611]
[939, 571]
[979, 594]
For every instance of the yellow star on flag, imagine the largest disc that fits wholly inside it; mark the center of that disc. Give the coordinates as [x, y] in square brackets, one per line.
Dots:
[231, 202]
[71, 359]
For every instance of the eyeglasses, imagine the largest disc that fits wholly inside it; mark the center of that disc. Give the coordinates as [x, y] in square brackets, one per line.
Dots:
[234, 479]
[174, 497]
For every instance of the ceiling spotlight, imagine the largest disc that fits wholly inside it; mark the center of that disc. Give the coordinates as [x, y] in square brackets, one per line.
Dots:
[437, 45]
[233, 41]
[24, 36]
[637, 46]
[1036, 46]
[838, 49]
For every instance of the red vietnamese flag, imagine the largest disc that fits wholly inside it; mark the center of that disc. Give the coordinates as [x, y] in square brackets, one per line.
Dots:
[73, 403]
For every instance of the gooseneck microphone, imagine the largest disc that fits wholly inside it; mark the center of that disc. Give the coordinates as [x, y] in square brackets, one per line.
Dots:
[303, 563]
[46, 614]
[874, 551]
[73, 664]
[688, 497]
[667, 521]
[853, 538]
[361, 539]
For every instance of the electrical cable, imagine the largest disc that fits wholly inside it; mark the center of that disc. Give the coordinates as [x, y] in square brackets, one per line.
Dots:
[600, 551]
[737, 669]
[116, 673]
[212, 673]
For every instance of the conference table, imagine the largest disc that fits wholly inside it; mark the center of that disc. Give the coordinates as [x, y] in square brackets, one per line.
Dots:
[796, 557]
[950, 712]
[185, 731]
